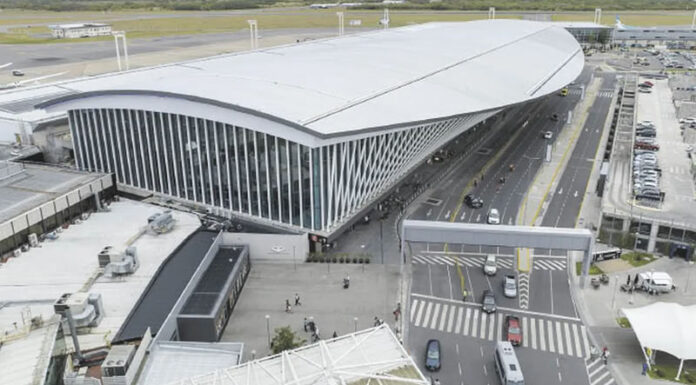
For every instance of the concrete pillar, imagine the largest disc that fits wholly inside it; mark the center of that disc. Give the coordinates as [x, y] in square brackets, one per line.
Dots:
[653, 237]
[97, 201]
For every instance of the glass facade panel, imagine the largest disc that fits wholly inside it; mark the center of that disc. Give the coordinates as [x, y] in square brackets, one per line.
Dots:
[245, 171]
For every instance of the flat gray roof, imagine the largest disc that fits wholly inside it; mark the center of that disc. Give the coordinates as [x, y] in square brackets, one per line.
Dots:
[39, 184]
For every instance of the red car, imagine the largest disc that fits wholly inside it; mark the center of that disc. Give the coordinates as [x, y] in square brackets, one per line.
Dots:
[513, 332]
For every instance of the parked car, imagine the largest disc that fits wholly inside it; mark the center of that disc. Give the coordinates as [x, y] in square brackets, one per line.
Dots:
[488, 303]
[473, 202]
[513, 331]
[548, 135]
[432, 355]
[490, 266]
[493, 217]
[510, 286]
[17, 73]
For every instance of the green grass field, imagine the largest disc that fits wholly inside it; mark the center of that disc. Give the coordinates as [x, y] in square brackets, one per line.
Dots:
[637, 259]
[30, 27]
[646, 19]
[594, 270]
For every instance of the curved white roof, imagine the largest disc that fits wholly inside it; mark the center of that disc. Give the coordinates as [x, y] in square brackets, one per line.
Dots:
[378, 79]
[665, 326]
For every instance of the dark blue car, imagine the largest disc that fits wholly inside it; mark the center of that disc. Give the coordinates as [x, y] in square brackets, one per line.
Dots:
[432, 355]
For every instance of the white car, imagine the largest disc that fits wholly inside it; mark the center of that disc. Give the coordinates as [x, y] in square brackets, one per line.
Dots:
[548, 135]
[490, 267]
[493, 217]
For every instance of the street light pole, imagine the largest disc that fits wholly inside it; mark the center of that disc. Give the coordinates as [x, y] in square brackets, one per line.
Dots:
[381, 239]
[268, 329]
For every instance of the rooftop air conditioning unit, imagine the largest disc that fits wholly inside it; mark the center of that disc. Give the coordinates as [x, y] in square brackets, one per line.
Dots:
[118, 262]
[86, 309]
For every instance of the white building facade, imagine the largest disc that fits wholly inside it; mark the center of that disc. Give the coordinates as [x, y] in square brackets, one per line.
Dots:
[306, 136]
[74, 31]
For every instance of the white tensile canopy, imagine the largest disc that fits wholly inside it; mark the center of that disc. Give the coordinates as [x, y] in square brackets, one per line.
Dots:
[667, 327]
[372, 356]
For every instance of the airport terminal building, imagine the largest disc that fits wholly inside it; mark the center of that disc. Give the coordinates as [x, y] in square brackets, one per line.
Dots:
[308, 135]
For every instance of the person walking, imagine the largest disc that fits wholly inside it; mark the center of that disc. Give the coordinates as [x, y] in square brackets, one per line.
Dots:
[628, 280]
[297, 300]
[306, 324]
[605, 355]
[335, 335]
[645, 369]
[475, 183]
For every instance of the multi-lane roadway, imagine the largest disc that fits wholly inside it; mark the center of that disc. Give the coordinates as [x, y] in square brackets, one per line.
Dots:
[555, 342]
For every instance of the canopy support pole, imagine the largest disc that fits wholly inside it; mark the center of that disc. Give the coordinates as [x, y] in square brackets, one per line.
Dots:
[647, 359]
[681, 366]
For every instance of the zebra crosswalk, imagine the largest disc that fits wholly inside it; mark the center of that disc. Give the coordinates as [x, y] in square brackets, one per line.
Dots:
[560, 335]
[605, 94]
[597, 372]
[539, 263]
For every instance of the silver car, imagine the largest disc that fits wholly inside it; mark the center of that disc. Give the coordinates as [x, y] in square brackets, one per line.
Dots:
[510, 286]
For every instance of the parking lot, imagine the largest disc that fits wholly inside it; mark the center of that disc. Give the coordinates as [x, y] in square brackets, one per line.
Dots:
[671, 161]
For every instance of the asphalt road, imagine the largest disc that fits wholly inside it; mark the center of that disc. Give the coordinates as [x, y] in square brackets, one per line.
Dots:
[35, 55]
[437, 306]
[549, 289]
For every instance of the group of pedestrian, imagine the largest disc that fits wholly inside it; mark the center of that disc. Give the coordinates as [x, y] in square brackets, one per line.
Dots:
[311, 327]
[288, 307]
[378, 321]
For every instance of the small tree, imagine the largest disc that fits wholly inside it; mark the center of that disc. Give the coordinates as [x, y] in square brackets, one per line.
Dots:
[285, 339]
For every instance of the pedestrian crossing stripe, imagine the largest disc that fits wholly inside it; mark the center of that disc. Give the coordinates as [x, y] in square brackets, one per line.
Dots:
[597, 372]
[560, 336]
[538, 263]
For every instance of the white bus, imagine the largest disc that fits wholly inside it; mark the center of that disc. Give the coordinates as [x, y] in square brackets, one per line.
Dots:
[506, 364]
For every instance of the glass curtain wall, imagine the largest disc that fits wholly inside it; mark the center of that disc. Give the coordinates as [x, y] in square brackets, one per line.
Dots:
[250, 172]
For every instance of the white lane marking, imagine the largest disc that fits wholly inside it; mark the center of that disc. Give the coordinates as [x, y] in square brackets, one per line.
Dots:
[569, 348]
[474, 323]
[414, 305]
[491, 327]
[427, 315]
[542, 335]
[598, 380]
[458, 327]
[482, 335]
[552, 348]
[420, 312]
[559, 338]
[450, 322]
[449, 280]
[578, 346]
[443, 319]
[436, 313]
[551, 284]
[525, 341]
[459, 365]
[466, 322]
[585, 341]
[533, 330]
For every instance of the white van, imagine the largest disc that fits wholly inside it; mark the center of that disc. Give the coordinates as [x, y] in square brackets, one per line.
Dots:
[506, 365]
[655, 282]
